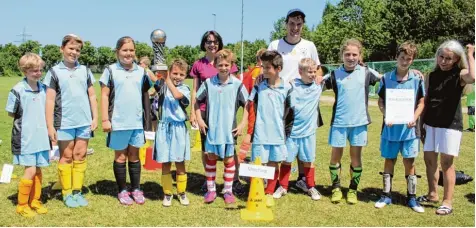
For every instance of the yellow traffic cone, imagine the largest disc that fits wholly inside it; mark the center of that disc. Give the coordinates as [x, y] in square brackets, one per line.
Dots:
[197, 145]
[256, 207]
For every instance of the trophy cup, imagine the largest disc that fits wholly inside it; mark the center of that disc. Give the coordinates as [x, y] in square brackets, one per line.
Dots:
[158, 38]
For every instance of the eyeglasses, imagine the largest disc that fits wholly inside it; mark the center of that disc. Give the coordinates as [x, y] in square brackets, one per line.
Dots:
[209, 42]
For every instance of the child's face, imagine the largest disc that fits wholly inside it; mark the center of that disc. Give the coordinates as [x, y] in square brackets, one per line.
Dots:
[143, 65]
[447, 59]
[223, 66]
[404, 61]
[71, 51]
[269, 71]
[177, 75]
[211, 45]
[33, 74]
[308, 75]
[351, 56]
[126, 54]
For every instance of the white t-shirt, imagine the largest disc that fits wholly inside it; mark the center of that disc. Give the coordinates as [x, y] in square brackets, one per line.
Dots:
[292, 54]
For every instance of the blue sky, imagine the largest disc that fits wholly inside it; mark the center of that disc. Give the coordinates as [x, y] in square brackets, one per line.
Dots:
[104, 21]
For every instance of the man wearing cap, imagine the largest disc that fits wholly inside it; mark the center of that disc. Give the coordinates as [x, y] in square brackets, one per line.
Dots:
[293, 48]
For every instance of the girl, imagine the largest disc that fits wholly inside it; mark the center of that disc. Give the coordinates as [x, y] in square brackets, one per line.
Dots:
[30, 144]
[172, 142]
[71, 117]
[122, 86]
[443, 119]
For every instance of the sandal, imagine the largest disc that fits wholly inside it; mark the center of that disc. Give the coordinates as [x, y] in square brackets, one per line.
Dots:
[424, 199]
[443, 210]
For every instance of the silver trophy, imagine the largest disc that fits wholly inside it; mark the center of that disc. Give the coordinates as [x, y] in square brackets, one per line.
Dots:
[158, 38]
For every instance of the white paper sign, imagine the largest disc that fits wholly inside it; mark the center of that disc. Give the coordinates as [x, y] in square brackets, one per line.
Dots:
[149, 135]
[6, 173]
[399, 106]
[248, 170]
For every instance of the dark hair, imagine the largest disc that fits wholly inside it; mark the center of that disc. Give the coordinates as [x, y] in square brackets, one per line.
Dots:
[217, 37]
[273, 57]
[296, 14]
[123, 40]
[71, 37]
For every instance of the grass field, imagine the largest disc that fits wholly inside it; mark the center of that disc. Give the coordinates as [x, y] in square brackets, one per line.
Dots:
[295, 209]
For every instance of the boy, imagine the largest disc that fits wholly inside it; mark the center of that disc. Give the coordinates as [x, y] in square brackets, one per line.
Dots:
[30, 143]
[402, 138]
[302, 141]
[271, 99]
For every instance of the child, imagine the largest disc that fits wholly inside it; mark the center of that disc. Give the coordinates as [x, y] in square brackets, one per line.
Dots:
[443, 119]
[172, 141]
[224, 94]
[71, 117]
[30, 144]
[350, 116]
[404, 138]
[302, 141]
[271, 99]
[122, 85]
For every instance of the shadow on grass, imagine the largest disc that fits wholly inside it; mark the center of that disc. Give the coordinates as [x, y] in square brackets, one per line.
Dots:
[47, 193]
[470, 197]
[152, 190]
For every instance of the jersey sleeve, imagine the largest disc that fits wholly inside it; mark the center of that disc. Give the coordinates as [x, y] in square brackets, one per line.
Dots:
[194, 72]
[91, 79]
[381, 88]
[185, 90]
[242, 96]
[104, 79]
[252, 95]
[51, 81]
[13, 102]
[202, 92]
[373, 76]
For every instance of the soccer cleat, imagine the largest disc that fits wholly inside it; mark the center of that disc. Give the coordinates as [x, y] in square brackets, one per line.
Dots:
[229, 199]
[210, 196]
[269, 200]
[167, 202]
[413, 204]
[280, 192]
[138, 196]
[315, 195]
[38, 207]
[352, 196]
[336, 195]
[383, 201]
[90, 151]
[25, 211]
[124, 198]
[301, 184]
[183, 199]
[69, 201]
[82, 202]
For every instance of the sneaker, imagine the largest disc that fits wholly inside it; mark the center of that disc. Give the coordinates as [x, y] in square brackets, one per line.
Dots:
[38, 207]
[383, 201]
[210, 196]
[413, 204]
[336, 195]
[124, 198]
[469, 130]
[229, 198]
[138, 196]
[204, 187]
[25, 211]
[69, 201]
[301, 184]
[352, 196]
[90, 151]
[82, 202]
[238, 188]
[269, 200]
[183, 199]
[315, 195]
[167, 202]
[280, 192]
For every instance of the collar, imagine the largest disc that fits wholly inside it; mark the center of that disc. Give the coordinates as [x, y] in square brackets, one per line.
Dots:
[281, 85]
[393, 75]
[299, 81]
[62, 66]
[342, 68]
[120, 67]
[216, 80]
[28, 88]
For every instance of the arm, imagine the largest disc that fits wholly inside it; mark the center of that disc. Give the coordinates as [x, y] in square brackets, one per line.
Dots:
[193, 118]
[106, 122]
[94, 107]
[12, 115]
[468, 75]
[381, 106]
[175, 92]
[151, 75]
[200, 96]
[244, 120]
[49, 109]
[418, 111]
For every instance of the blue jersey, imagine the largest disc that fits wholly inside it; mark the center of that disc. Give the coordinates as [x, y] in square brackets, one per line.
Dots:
[400, 132]
[272, 106]
[125, 96]
[169, 108]
[305, 105]
[223, 101]
[72, 107]
[29, 133]
[351, 89]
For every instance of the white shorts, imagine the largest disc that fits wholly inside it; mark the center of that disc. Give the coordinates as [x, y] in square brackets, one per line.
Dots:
[442, 140]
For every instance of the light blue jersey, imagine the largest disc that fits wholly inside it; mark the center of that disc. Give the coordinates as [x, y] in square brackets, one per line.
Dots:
[72, 107]
[29, 133]
[171, 109]
[305, 104]
[125, 96]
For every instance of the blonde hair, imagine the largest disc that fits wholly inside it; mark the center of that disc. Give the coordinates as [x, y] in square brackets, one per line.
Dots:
[180, 63]
[145, 60]
[30, 61]
[455, 47]
[306, 63]
[72, 37]
[409, 48]
[350, 42]
[225, 54]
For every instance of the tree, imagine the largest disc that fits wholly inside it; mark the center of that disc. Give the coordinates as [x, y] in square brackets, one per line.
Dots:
[279, 30]
[29, 46]
[88, 55]
[51, 55]
[105, 56]
[143, 49]
[9, 57]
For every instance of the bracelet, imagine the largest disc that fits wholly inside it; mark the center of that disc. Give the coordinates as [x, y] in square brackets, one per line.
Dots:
[104, 121]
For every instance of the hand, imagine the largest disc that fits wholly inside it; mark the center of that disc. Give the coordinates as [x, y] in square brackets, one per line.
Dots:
[94, 125]
[388, 124]
[202, 126]
[238, 130]
[470, 48]
[318, 79]
[52, 135]
[411, 124]
[419, 73]
[193, 120]
[106, 126]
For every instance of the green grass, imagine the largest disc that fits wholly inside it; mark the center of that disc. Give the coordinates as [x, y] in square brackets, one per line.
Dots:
[295, 209]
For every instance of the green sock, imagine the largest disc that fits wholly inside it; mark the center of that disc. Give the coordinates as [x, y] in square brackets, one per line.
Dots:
[356, 173]
[335, 171]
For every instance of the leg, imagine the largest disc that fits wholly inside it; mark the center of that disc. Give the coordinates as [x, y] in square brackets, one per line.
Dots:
[134, 174]
[35, 193]
[79, 164]
[388, 170]
[210, 173]
[24, 189]
[355, 173]
[229, 173]
[432, 174]
[284, 173]
[65, 166]
[120, 158]
[302, 174]
[335, 167]
[272, 183]
[181, 177]
[167, 178]
[449, 179]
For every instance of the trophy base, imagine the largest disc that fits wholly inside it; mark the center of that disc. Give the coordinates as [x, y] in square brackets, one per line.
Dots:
[158, 67]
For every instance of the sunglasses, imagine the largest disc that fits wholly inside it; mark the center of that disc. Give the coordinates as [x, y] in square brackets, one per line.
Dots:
[209, 42]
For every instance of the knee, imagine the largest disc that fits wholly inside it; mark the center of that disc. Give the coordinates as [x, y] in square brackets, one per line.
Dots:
[446, 164]
[120, 158]
[211, 156]
[308, 164]
[286, 163]
[228, 160]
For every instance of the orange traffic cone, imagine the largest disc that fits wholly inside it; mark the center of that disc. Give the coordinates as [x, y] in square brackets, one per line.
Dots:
[150, 163]
[256, 207]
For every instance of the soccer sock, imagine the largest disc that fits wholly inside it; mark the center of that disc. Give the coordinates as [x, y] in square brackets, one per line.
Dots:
[120, 175]
[284, 173]
[35, 192]
[411, 185]
[134, 174]
[355, 178]
[335, 171]
[65, 171]
[309, 172]
[272, 183]
[167, 183]
[181, 183]
[24, 188]
[79, 167]
[229, 175]
[387, 183]
[210, 173]
[471, 121]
